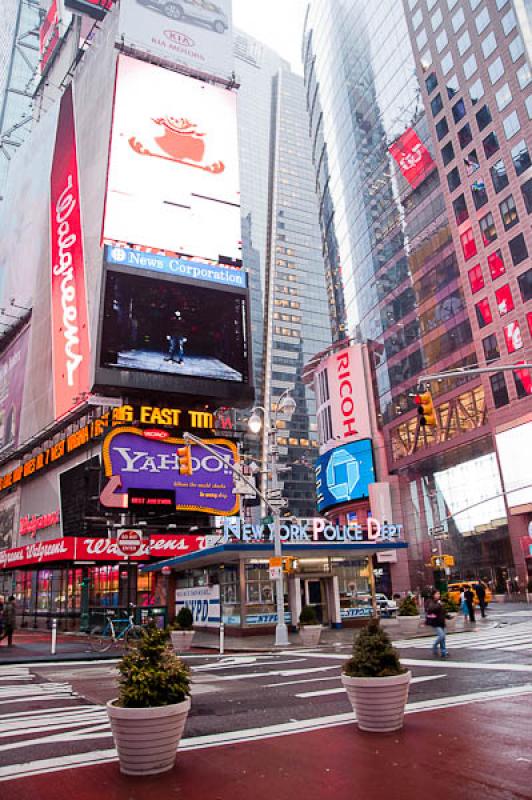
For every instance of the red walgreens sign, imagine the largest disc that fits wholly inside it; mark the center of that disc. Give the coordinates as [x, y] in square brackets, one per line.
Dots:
[70, 339]
[415, 161]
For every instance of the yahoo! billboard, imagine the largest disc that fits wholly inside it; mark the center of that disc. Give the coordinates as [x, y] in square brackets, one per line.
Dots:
[135, 459]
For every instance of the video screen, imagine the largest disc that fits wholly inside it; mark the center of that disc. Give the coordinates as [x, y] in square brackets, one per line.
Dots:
[169, 327]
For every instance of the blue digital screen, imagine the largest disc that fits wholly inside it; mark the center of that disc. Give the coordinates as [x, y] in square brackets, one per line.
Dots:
[344, 474]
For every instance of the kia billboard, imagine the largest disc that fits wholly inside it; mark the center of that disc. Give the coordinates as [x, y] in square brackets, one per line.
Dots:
[173, 177]
[195, 34]
[12, 373]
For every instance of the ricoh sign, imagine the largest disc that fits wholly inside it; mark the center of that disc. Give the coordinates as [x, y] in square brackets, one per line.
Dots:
[348, 394]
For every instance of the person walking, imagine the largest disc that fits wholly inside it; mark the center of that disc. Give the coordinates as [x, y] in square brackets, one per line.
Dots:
[470, 601]
[463, 604]
[9, 617]
[435, 616]
[480, 591]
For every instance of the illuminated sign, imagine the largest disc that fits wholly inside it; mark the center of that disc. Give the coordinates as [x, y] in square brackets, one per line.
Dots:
[415, 161]
[49, 34]
[28, 526]
[313, 531]
[176, 417]
[151, 499]
[344, 474]
[70, 337]
[133, 461]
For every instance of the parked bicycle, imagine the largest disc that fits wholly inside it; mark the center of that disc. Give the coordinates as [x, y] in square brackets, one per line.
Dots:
[115, 631]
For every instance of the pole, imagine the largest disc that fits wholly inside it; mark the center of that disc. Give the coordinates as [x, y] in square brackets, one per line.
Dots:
[371, 578]
[54, 636]
[281, 630]
[459, 373]
[222, 637]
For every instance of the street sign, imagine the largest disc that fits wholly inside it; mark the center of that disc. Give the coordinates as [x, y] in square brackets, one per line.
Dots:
[276, 561]
[273, 494]
[278, 502]
[267, 520]
[129, 542]
[276, 573]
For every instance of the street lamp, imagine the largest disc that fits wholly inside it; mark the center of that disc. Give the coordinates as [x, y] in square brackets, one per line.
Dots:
[286, 406]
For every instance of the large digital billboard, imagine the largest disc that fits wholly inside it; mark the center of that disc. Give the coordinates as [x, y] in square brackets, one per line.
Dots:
[344, 474]
[514, 447]
[413, 158]
[195, 34]
[173, 177]
[12, 373]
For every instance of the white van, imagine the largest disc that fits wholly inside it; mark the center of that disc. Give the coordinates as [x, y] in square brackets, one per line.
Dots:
[201, 12]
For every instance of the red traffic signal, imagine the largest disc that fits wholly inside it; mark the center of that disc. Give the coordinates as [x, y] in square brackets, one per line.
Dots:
[185, 460]
[425, 409]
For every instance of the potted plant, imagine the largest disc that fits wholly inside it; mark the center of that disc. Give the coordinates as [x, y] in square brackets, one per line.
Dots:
[309, 627]
[149, 715]
[408, 616]
[451, 610]
[376, 683]
[181, 632]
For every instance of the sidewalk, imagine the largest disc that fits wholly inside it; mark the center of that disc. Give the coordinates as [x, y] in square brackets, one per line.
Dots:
[479, 750]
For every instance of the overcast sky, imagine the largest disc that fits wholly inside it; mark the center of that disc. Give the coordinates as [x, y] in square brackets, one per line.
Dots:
[277, 23]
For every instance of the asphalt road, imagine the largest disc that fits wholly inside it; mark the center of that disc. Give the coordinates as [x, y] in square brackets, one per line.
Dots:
[52, 716]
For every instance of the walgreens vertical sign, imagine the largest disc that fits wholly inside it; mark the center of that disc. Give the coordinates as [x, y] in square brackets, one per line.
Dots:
[70, 337]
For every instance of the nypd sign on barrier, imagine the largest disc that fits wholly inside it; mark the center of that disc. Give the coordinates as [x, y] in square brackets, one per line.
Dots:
[204, 603]
[344, 474]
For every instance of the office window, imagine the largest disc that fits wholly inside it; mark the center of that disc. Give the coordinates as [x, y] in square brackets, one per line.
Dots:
[474, 4]
[508, 212]
[479, 194]
[525, 285]
[523, 382]
[452, 86]
[459, 111]
[441, 41]
[503, 97]
[471, 162]
[476, 279]
[451, 4]
[460, 209]
[482, 21]
[421, 39]
[470, 65]
[499, 390]
[508, 22]
[511, 125]
[528, 104]
[447, 153]
[476, 91]
[426, 60]
[520, 157]
[499, 176]
[496, 265]
[447, 63]
[505, 301]
[495, 70]
[458, 20]
[431, 82]
[487, 229]
[483, 118]
[491, 348]
[524, 75]
[512, 336]
[516, 48]
[490, 145]
[469, 247]
[417, 19]
[500, 3]
[436, 105]
[483, 313]
[436, 20]
[488, 45]
[464, 135]
[526, 191]
[464, 42]
[453, 179]
[442, 129]
[518, 249]
[529, 320]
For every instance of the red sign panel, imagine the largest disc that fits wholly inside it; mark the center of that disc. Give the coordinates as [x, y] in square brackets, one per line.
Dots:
[129, 542]
[415, 161]
[49, 34]
[70, 339]
[38, 553]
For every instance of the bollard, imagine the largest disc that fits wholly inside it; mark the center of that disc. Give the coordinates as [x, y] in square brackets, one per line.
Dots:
[54, 636]
[222, 634]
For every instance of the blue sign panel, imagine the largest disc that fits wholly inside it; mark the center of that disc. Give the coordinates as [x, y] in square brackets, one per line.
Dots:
[178, 267]
[344, 474]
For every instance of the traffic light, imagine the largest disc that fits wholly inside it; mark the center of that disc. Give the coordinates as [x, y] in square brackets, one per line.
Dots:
[185, 460]
[425, 409]
[290, 564]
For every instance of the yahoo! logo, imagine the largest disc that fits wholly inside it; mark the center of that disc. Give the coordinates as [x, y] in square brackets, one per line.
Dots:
[179, 38]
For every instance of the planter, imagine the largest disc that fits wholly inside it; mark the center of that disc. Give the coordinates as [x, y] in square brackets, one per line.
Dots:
[379, 703]
[408, 626]
[529, 597]
[450, 624]
[147, 738]
[310, 635]
[182, 640]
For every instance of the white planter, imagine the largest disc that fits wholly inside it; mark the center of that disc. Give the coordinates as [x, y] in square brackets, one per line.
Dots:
[379, 703]
[408, 625]
[147, 738]
[310, 635]
[182, 640]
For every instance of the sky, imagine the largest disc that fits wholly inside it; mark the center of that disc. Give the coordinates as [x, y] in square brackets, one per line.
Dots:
[277, 23]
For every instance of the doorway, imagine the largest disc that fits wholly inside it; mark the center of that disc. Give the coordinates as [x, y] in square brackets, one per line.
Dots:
[314, 593]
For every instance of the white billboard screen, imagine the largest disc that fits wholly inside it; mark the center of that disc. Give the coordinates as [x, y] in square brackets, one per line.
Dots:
[514, 447]
[173, 180]
[193, 33]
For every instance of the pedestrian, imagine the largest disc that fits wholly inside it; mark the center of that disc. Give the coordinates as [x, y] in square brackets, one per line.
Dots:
[480, 591]
[470, 600]
[1, 616]
[9, 616]
[435, 617]
[463, 604]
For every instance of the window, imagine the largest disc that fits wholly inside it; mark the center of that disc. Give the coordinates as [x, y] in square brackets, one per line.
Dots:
[417, 19]
[421, 39]
[496, 265]
[452, 86]
[528, 104]
[442, 129]
[474, 4]
[458, 20]
[491, 348]
[460, 209]
[451, 4]
[512, 336]
[520, 157]
[469, 247]
[487, 228]
[523, 76]
[459, 111]
[511, 125]
[508, 213]
[499, 176]
[453, 179]
[464, 135]
[476, 91]
[436, 105]
[500, 3]
[431, 82]
[526, 191]
[447, 63]
[518, 249]
[503, 97]
[436, 20]
[483, 118]
[505, 301]
[523, 382]
[464, 42]
[482, 21]
[499, 390]
[470, 65]
[516, 48]
[447, 153]
[488, 45]
[529, 320]
[490, 145]
[426, 60]
[525, 285]
[441, 41]
[508, 22]
[479, 194]
[476, 279]
[495, 70]
[483, 313]
[471, 162]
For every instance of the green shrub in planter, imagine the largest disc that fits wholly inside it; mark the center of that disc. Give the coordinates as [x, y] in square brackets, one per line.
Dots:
[529, 585]
[450, 605]
[373, 654]
[408, 608]
[151, 674]
[184, 620]
[308, 616]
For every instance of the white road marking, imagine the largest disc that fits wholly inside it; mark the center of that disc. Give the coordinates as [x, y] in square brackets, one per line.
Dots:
[304, 680]
[250, 663]
[283, 673]
[341, 689]
[412, 662]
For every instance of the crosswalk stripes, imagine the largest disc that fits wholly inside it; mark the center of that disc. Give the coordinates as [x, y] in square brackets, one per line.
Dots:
[515, 638]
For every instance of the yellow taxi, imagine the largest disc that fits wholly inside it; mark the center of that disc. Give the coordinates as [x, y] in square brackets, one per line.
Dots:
[454, 589]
